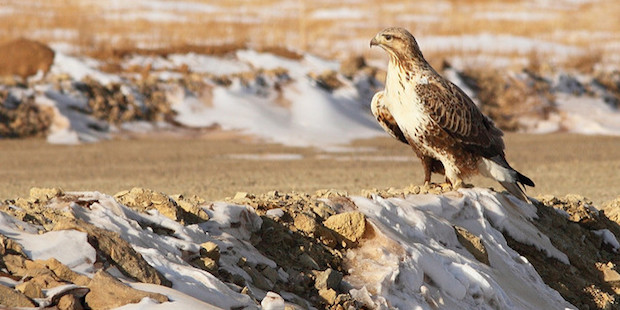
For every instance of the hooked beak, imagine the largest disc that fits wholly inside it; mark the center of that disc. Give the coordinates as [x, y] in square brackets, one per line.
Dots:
[374, 42]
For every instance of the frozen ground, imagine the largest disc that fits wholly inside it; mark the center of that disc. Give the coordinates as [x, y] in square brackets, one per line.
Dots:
[413, 261]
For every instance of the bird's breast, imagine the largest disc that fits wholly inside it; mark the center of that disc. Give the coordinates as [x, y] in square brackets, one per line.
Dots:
[405, 105]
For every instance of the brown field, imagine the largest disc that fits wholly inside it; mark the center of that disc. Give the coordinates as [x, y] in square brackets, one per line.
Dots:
[326, 28]
[558, 163]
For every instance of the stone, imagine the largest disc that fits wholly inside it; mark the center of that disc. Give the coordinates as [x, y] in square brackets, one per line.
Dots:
[258, 279]
[327, 279]
[271, 274]
[241, 195]
[210, 249]
[120, 252]
[329, 295]
[15, 264]
[350, 225]
[191, 205]
[69, 302]
[305, 223]
[307, 261]
[32, 289]
[65, 273]
[473, 244]
[8, 245]
[207, 264]
[143, 200]
[106, 292]
[45, 194]
[12, 298]
[46, 281]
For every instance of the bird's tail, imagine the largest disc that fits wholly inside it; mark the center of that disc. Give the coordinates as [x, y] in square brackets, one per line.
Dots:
[512, 180]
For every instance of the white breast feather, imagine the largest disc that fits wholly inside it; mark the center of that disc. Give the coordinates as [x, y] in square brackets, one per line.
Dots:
[408, 114]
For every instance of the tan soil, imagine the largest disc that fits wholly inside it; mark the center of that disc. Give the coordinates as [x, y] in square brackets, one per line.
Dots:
[559, 164]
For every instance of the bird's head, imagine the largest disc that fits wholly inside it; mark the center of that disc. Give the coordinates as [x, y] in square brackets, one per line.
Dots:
[398, 42]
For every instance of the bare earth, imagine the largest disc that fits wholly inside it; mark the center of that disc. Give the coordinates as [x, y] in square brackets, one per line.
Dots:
[217, 165]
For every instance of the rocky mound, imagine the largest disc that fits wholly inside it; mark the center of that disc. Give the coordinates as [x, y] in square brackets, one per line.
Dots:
[305, 250]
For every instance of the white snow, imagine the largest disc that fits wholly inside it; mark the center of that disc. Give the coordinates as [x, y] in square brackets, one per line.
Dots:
[588, 115]
[417, 241]
[68, 246]
[608, 237]
[79, 68]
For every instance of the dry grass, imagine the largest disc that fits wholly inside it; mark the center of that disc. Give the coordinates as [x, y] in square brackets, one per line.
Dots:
[507, 99]
[94, 27]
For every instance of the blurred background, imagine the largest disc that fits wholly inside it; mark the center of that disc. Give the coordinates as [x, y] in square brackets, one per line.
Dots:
[514, 29]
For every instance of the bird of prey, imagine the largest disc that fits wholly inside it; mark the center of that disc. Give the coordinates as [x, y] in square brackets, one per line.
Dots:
[438, 120]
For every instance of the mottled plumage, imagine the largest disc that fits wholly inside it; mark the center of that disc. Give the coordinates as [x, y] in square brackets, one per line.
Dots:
[437, 119]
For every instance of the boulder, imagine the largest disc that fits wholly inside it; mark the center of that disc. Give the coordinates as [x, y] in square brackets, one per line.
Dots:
[106, 292]
[12, 298]
[117, 250]
[349, 225]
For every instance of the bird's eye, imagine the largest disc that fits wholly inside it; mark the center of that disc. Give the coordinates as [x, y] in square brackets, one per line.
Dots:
[388, 37]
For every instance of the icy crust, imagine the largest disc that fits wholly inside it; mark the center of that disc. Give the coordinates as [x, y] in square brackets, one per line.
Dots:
[417, 262]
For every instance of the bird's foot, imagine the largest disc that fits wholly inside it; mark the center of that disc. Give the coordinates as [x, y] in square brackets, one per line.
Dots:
[441, 187]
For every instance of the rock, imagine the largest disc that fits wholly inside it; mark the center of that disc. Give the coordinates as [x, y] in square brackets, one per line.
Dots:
[307, 261]
[106, 292]
[12, 298]
[46, 281]
[241, 195]
[323, 210]
[207, 264]
[23, 57]
[15, 264]
[350, 225]
[65, 273]
[32, 289]
[45, 194]
[327, 279]
[120, 252]
[143, 200]
[329, 295]
[8, 245]
[473, 244]
[305, 223]
[211, 250]
[271, 274]
[191, 205]
[257, 278]
[69, 302]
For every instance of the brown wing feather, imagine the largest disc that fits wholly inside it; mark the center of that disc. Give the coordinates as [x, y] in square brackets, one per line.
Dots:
[385, 118]
[451, 109]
